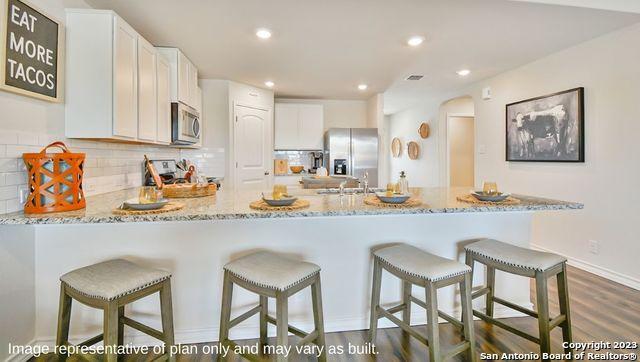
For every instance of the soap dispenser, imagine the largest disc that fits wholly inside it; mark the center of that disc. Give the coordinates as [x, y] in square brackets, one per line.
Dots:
[403, 183]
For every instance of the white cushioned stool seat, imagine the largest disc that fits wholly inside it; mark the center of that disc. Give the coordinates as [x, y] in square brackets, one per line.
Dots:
[419, 263]
[514, 255]
[271, 270]
[112, 279]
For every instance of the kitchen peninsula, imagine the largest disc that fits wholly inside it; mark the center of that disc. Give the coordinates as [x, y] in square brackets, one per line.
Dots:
[336, 232]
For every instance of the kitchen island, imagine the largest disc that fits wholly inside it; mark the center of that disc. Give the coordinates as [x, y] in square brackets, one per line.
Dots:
[336, 232]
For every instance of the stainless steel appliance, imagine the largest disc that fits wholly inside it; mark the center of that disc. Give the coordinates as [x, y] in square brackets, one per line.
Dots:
[352, 151]
[185, 124]
[316, 160]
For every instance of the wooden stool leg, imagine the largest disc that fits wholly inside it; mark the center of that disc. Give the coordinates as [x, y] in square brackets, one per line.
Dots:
[467, 315]
[406, 300]
[543, 312]
[225, 314]
[318, 319]
[111, 331]
[64, 317]
[264, 310]
[491, 284]
[166, 310]
[433, 335]
[375, 300]
[563, 297]
[121, 325]
[282, 323]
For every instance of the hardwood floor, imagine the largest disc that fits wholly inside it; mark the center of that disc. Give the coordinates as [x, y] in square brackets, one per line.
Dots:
[601, 310]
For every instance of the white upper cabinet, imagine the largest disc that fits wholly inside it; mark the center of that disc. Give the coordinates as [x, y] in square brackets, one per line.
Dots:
[184, 76]
[298, 126]
[164, 100]
[311, 126]
[147, 91]
[125, 122]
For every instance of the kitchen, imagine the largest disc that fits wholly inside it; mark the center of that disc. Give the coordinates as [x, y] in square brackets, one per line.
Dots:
[253, 169]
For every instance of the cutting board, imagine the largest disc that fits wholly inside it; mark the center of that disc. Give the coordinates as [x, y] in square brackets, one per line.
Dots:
[280, 167]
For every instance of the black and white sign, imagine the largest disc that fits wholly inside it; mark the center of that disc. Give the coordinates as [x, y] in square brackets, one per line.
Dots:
[32, 52]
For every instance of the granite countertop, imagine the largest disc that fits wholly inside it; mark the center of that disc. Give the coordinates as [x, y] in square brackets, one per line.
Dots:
[235, 205]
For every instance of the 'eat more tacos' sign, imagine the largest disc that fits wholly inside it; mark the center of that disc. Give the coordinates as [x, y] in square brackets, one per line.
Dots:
[32, 52]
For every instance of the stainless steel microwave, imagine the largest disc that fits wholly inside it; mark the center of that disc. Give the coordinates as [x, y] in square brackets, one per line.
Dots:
[185, 124]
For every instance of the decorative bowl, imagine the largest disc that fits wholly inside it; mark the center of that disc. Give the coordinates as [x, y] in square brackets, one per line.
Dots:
[283, 201]
[393, 199]
[296, 169]
[134, 204]
[480, 195]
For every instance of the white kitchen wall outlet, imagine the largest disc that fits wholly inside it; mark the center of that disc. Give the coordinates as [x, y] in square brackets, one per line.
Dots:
[594, 247]
[486, 93]
[482, 149]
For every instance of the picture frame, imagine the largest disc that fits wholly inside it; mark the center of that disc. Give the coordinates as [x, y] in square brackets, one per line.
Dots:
[6, 85]
[548, 128]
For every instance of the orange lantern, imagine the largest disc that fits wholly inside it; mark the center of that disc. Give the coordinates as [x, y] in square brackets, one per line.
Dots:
[55, 180]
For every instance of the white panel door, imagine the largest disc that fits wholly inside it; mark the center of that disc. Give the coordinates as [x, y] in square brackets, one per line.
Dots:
[125, 121]
[147, 97]
[286, 126]
[310, 126]
[252, 148]
[164, 100]
[183, 79]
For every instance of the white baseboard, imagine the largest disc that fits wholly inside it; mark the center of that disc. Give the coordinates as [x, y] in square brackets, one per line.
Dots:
[21, 357]
[251, 330]
[609, 274]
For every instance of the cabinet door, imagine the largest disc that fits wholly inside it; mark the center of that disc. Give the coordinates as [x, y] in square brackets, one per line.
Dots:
[147, 97]
[193, 85]
[311, 127]
[164, 100]
[183, 79]
[125, 120]
[286, 126]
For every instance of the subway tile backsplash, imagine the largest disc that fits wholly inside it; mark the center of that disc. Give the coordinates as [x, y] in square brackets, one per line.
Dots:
[108, 166]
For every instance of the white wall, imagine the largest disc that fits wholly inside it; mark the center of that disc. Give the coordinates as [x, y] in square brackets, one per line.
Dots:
[608, 69]
[337, 113]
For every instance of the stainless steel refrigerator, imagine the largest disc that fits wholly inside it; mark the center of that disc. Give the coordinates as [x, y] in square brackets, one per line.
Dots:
[352, 151]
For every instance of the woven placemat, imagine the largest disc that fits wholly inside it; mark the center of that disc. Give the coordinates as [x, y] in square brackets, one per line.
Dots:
[261, 205]
[171, 206]
[375, 201]
[469, 199]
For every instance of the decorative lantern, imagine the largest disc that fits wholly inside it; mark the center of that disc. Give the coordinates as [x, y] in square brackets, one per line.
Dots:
[55, 180]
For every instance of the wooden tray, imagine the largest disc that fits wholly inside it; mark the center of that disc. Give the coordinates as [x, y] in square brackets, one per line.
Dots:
[188, 190]
[171, 206]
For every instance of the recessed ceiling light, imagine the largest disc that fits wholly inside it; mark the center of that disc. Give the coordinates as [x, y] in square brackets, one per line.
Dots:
[269, 84]
[263, 33]
[463, 72]
[414, 41]
[362, 87]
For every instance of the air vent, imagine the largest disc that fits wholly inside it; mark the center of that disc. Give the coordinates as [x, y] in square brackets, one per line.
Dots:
[414, 77]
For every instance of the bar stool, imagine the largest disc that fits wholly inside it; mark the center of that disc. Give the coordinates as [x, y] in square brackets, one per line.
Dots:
[529, 263]
[109, 286]
[417, 267]
[271, 275]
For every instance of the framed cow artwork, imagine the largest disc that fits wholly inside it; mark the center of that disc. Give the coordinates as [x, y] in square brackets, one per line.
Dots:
[549, 128]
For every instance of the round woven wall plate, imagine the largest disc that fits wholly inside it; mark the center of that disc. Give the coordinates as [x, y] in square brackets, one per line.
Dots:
[413, 150]
[423, 131]
[396, 147]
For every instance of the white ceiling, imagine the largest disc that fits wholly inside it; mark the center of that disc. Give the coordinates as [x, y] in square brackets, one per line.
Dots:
[324, 49]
